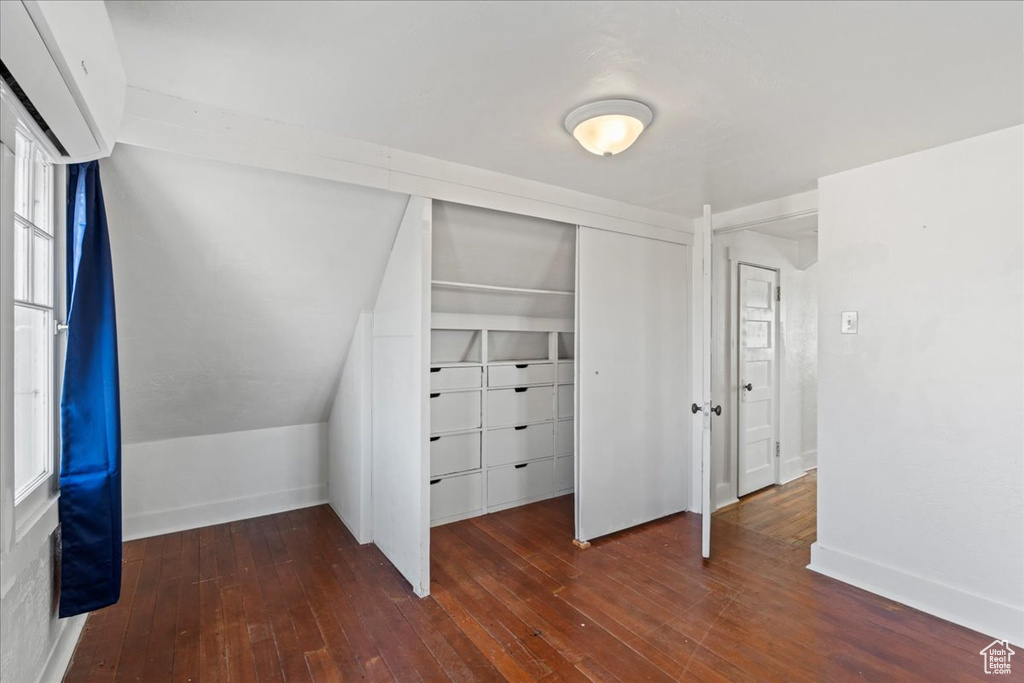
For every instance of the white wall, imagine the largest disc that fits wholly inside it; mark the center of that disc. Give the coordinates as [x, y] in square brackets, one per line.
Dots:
[802, 341]
[237, 290]
[921, 475]
[797, 366]
[196, 481]
[348, 435]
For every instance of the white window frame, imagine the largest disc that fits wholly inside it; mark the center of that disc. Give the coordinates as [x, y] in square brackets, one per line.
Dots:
[40, 494]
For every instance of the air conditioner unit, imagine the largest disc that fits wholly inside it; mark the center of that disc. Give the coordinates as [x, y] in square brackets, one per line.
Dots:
[61, 61]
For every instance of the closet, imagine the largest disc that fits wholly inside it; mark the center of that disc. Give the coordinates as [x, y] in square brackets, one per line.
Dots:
[515, 359]
[501, 386]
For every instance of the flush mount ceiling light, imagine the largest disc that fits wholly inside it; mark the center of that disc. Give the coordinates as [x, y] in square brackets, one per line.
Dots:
[610, 126]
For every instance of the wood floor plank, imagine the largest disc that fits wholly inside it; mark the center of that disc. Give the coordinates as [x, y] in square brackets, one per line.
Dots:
[294, 598]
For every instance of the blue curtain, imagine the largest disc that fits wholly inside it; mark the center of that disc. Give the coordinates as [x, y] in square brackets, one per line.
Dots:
[90, 470]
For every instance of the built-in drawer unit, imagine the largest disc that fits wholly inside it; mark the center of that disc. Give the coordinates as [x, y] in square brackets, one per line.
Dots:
[519, 444]
[443, 379]
[455, 496]
[520, 482]
[454, 411]
[566, 373]
[514, 407]
[454, 453]
[566, 398]
[518, 374]
[564, 437]
[564, 473]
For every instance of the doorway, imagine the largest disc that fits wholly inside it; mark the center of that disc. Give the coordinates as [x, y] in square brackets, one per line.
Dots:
[764, 366]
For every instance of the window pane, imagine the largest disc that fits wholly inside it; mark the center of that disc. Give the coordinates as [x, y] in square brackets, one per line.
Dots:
[22, 236]
[22, 170]
[42, 272]
[33, 389]
[42, 198]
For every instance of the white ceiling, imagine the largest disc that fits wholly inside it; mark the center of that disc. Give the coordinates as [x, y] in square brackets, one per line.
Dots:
[237, 290]
[752, 101]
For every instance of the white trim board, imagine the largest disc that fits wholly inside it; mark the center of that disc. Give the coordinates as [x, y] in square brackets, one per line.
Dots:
[219, 512]
[172, 124]
[63, 649]
[994, 619]
[771, 211]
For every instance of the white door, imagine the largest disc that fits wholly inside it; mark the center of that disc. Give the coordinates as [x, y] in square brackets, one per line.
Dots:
[400, 409]
[758, 377]
[633, 381]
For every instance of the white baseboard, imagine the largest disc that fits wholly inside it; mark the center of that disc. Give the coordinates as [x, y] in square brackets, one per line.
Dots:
[726, 503]
[62, 651]
[810, 459]
[219, 512]
[794, 477]
[355, 534]
[994, 619]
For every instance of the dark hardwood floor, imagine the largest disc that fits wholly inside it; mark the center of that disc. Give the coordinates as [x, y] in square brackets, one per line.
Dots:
[291, 597]
[787, 513]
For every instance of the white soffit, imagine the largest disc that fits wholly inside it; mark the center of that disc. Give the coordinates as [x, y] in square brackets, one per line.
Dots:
[751, 100]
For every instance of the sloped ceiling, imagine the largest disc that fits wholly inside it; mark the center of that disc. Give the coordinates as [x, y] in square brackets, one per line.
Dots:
[237, 290]
[752, 100]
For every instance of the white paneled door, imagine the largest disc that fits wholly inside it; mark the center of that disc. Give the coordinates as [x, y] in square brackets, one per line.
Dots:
[633, 381]
[758, 377]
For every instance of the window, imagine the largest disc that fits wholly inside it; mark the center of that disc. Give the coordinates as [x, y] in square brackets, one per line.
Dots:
[35, 373]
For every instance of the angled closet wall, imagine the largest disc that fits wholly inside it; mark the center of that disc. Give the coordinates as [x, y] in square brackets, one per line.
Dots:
[501, 394]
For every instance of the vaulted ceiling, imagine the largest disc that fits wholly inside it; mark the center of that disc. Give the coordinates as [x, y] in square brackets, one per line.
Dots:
[237, 290]
[752, 100]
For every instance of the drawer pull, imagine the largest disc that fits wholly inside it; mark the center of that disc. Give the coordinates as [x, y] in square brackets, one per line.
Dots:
[520, 390]
[435, 395]
[434, 438]
[521, 427]
[523, 366]
[434, 481]
[435, 369]
[519, 467]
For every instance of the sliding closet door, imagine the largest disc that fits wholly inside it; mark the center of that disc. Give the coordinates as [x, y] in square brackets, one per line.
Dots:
[633, 295]
[400, 362]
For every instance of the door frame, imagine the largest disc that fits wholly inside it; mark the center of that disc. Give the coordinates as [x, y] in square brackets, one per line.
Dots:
[737, 257]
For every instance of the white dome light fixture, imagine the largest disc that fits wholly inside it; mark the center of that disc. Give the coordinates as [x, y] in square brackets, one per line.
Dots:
[610, 126]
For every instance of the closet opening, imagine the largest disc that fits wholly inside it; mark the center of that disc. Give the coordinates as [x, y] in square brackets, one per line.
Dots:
[502, 349]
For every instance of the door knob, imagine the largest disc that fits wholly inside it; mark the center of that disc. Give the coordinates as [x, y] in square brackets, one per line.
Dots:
[748, 386]
[717, 410]
[695, 408]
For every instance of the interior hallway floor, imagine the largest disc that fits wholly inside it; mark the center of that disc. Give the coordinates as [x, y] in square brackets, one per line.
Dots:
[787, 513]
[292, 597]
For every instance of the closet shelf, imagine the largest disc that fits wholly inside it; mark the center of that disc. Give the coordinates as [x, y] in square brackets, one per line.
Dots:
[495, 288]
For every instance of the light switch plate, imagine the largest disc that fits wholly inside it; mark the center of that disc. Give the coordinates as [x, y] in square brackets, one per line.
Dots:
[849, 324]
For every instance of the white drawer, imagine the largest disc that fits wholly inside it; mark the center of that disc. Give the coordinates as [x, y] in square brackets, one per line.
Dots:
[455, 496]
[519, 444]
[564, 474]
[566, 399]
[520, 482]
[442, 379]
[453, 411]
[454, 453]
[566, 372]
[564, 437]
[520, 374]
[513, 407]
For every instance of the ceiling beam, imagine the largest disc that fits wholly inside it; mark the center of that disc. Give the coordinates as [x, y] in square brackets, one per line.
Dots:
[171, 124]
[764, 213]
